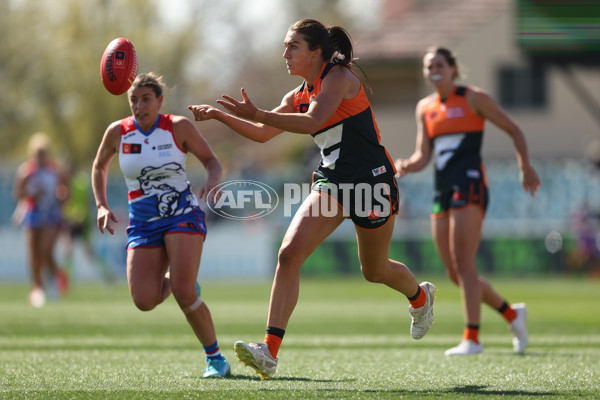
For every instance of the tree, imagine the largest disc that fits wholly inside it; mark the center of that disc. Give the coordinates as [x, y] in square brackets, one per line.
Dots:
[50, 76]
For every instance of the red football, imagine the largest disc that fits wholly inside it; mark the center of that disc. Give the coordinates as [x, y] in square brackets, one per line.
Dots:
[119, 65]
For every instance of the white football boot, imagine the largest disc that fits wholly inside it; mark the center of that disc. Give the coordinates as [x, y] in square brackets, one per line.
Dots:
[257, 356]
[422, 317]
[519, 328]
[466, 347]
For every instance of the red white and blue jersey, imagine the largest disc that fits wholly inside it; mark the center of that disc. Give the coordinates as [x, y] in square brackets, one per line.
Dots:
[42, 206]
[154, 169]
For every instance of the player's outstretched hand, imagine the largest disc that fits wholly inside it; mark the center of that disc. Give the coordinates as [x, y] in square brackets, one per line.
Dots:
[244, 109]
[203, 112]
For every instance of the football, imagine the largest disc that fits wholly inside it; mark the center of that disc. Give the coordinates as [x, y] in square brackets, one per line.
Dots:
[119, 65]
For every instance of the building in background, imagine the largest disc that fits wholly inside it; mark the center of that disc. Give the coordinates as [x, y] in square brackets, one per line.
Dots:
[554, 96]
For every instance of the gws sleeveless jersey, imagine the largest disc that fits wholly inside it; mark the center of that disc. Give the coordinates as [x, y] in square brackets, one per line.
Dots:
[350, 145]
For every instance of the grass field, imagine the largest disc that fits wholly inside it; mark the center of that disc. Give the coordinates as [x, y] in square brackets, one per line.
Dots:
[347, 339]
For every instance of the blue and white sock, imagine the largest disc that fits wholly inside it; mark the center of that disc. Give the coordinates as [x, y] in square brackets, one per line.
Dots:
[212, 352]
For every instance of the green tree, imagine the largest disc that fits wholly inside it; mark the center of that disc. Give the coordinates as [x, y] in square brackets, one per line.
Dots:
[50, 68]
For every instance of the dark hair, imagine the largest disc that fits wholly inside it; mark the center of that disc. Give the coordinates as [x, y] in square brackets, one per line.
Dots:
[448, 56]
[149, 80]
[335, 43]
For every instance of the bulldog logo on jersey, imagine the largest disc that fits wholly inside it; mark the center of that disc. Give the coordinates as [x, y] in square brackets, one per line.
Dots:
[154, 180]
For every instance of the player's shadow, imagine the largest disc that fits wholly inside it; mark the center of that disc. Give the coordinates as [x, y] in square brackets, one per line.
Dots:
[461, 391]
[287, 378]
[481, 390]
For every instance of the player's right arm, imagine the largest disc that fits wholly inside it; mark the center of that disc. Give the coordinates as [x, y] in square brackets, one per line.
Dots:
[108, 149]
[19, 183]
[252, 130]
[422, 154]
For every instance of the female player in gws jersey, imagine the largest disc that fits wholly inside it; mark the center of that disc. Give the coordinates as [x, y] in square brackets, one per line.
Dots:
[450, 129]
[166, 226]
[355, 178]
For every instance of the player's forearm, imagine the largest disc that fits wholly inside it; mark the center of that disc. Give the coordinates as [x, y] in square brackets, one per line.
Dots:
[290, 122]
[214, 170]
[250, 130]
[521, 150]
[99, 179]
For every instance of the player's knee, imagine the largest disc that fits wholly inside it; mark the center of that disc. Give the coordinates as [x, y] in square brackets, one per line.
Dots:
[190, 307]
[185, 296]
[144, 303]
[374, 275]
[288, 257]
[453, 277]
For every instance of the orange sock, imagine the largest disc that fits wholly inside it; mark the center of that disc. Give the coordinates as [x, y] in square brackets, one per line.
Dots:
[471, 332]
[419, 299]
[273, 342]
[507, 312]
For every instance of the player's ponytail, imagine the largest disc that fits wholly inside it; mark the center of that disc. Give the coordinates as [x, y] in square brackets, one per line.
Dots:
[341, 45]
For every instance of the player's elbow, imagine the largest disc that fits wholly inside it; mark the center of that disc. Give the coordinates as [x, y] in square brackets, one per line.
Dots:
[266, 135]
[311, 126]
[262, 139]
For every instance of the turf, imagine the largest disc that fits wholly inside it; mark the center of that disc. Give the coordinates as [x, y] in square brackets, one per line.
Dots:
[348, 339]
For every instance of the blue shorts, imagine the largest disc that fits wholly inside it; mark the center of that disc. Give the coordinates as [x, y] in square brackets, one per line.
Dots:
[152, 234]
[39, 219]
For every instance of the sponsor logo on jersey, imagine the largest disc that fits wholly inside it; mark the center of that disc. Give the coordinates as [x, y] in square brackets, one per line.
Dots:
[132, 148]
[379, 171]
[432, 115]
[455, 112]
[473, 173]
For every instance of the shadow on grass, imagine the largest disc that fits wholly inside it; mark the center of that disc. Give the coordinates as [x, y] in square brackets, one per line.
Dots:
[478, 391]
[280, 379]
[481, 390]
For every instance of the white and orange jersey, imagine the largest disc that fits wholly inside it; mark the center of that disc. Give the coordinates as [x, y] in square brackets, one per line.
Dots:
[351, 149]
[456, 133]
[154, 168]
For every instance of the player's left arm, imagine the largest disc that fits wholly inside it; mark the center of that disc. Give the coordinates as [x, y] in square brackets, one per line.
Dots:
[483, 105]
[339, 84]
[190, 139]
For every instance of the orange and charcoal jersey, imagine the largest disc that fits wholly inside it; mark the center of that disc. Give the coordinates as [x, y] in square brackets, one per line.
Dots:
[352, 153]
[351, 149]
[456, 134]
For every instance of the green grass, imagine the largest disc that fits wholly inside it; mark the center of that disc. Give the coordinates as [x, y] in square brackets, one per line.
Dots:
[347, 339]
